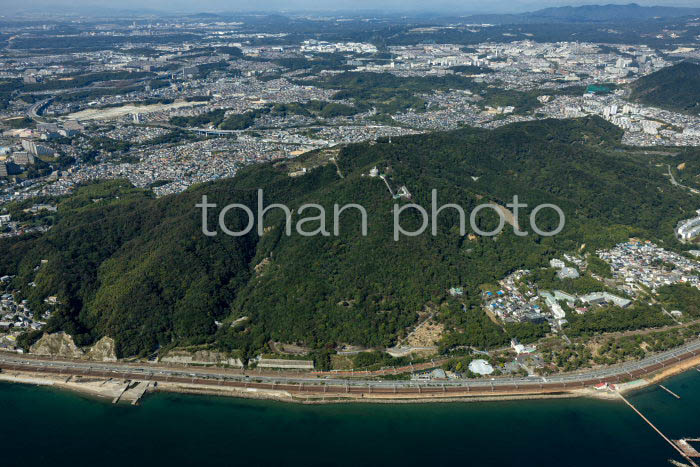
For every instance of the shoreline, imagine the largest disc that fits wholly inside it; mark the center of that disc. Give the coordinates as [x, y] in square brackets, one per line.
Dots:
[131, 391]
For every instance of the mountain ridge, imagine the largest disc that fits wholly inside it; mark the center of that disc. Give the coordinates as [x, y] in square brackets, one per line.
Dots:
[139, 269]
[593, 13]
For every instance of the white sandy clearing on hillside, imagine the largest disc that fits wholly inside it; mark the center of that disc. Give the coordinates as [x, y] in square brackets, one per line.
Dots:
[117, 112]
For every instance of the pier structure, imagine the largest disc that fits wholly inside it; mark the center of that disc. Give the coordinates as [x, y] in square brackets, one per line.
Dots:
[685, 446]
[669, 391]
[685, 453]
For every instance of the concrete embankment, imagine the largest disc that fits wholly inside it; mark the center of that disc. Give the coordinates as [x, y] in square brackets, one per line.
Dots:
[106, 389]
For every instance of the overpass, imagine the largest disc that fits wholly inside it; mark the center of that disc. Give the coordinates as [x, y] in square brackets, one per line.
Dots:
[213, 132]
[34, 112]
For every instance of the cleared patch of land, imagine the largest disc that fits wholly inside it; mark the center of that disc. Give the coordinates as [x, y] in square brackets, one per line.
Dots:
[112, 113]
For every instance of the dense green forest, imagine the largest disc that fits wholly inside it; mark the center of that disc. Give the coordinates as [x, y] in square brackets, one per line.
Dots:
[686, 167]
[676, 87]
[78, 80]
[387, 92]
[218, 118]
[139, 269]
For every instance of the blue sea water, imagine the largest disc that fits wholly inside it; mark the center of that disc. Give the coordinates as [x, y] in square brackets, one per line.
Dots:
[44, 426]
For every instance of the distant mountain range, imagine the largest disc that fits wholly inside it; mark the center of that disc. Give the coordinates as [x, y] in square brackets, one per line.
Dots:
[578, 14]
[590, 13]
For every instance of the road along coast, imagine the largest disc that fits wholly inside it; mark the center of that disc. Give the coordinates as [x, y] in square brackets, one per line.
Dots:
[129, 381]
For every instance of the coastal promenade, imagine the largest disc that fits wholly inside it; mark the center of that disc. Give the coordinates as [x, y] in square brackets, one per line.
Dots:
[310, 385]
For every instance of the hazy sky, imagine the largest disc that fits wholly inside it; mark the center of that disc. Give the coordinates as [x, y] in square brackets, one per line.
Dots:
[454, 6]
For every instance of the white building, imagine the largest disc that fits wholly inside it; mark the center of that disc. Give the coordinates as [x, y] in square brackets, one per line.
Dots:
[480, 367]
[688, 229]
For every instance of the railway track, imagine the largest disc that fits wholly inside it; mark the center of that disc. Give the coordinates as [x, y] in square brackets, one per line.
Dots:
[330, 386]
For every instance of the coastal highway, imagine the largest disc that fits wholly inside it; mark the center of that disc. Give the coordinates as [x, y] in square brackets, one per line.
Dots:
[328, 385]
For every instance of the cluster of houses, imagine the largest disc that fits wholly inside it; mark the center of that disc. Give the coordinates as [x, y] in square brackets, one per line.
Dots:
[580, 303]
[15, 315]
[510, 304]
[646, 264]
[519, 300]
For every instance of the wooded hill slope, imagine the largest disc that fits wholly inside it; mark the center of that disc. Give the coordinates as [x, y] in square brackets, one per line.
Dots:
[676, 88]
[139, 269]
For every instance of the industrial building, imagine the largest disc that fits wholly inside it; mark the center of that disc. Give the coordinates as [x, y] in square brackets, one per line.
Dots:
[23, 158]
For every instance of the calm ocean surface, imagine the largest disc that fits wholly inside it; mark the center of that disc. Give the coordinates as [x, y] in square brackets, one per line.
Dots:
[43, 426]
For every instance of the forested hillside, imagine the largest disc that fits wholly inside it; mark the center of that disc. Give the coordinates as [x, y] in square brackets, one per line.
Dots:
[139, 269]
[676, 88]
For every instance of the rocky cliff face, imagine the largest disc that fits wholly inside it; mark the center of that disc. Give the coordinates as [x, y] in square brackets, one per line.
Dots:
[103, 350]
[61, 344]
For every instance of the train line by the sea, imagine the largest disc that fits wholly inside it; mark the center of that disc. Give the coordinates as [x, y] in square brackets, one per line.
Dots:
[326, 386]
